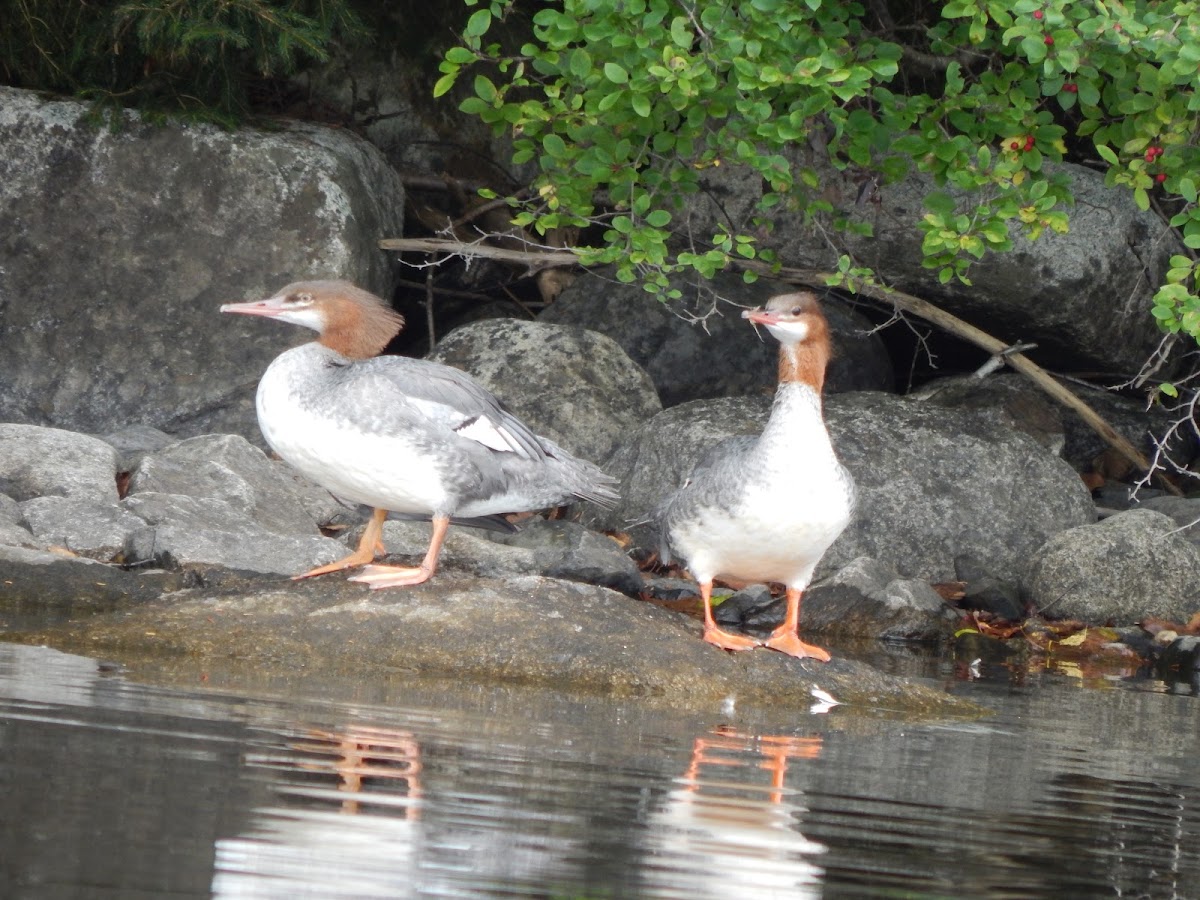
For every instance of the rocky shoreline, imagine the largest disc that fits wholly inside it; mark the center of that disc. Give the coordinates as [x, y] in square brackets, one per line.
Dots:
[138, 543]
[138, 509]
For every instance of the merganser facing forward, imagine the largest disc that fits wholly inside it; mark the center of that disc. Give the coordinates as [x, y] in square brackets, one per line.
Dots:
[767, 508]
[404, 435]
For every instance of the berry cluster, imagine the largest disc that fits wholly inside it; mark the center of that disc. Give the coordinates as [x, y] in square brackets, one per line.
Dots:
[1152, 153]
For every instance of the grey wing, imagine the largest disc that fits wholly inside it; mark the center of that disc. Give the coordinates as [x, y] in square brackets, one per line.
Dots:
[455, 400]
[713, 482]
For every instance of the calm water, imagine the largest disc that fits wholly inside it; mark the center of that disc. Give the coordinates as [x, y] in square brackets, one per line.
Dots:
[256, 786]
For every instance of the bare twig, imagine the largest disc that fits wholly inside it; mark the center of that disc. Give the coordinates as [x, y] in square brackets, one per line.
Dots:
[997, 360]
[429, 273]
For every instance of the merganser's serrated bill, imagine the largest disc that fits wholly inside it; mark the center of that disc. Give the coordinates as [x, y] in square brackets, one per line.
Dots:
[405, 435]
[767, 508]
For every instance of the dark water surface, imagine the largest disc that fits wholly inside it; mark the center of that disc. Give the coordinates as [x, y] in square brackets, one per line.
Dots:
[252, 785]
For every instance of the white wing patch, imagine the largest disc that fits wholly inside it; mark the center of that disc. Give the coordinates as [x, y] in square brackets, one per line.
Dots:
[484, 431]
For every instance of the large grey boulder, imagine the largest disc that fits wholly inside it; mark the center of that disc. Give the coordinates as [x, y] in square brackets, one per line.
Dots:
[1185, 511]
[95, 529]
[1121, 570]
[188, 531]
[213, 500]
[574, 386]
[933, 483]
[36, 462]
[227, 468]
[120, 243]
[699, 346]
[217, 500]
[1084, 296]
[1006, 399]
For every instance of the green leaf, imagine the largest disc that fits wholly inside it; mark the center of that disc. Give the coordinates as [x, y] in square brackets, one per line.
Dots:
[615, 73]
[479, 23]
[443, 84]
[580, 64]
[658, 218]
[484, 89]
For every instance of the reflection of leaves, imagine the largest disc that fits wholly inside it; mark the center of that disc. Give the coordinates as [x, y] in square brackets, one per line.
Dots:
[1070, 669]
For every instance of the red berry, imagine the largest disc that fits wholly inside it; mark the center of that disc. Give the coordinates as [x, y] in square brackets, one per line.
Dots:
[1049, 40]
[1071, 87]
[1160, 177]
[1029, 143]
[1150, 154]
[1015, 145]
[1037, 14]
[1158, 151]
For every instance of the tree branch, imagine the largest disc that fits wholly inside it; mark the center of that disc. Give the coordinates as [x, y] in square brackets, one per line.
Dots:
[534, 258]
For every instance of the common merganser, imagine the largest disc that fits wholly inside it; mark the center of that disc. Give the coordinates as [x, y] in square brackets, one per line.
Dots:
[759, 509]
[409, 436]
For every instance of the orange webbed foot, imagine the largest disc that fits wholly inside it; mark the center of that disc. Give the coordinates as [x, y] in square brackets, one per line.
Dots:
[357, 558]
[727, 641]
[379, 577]
[370, 544]
[789, 642]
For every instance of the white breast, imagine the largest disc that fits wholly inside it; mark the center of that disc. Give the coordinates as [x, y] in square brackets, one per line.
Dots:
[375, 466]
[794, 499]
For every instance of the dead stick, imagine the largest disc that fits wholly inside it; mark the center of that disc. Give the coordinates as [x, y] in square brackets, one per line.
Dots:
[535, 259]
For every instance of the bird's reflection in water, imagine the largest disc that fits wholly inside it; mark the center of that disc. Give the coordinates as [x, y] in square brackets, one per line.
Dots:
[362, 758]
[731, 826]
[352, 831]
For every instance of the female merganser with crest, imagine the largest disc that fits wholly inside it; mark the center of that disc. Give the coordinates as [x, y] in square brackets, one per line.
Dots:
[767, 508]
[404, 435]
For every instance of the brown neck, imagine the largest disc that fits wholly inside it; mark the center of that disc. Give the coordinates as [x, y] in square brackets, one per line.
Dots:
[806, 361]
[360, 330]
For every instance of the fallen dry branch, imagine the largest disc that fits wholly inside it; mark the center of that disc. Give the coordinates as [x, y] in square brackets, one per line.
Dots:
[537, 260]
[534, 259]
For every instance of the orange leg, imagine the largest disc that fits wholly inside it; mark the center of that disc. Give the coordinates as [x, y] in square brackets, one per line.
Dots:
[399, 576]
[717, 636]
[370, 544]
[785, 638]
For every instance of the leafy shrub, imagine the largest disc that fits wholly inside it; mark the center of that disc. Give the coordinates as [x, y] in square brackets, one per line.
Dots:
[622, 103]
